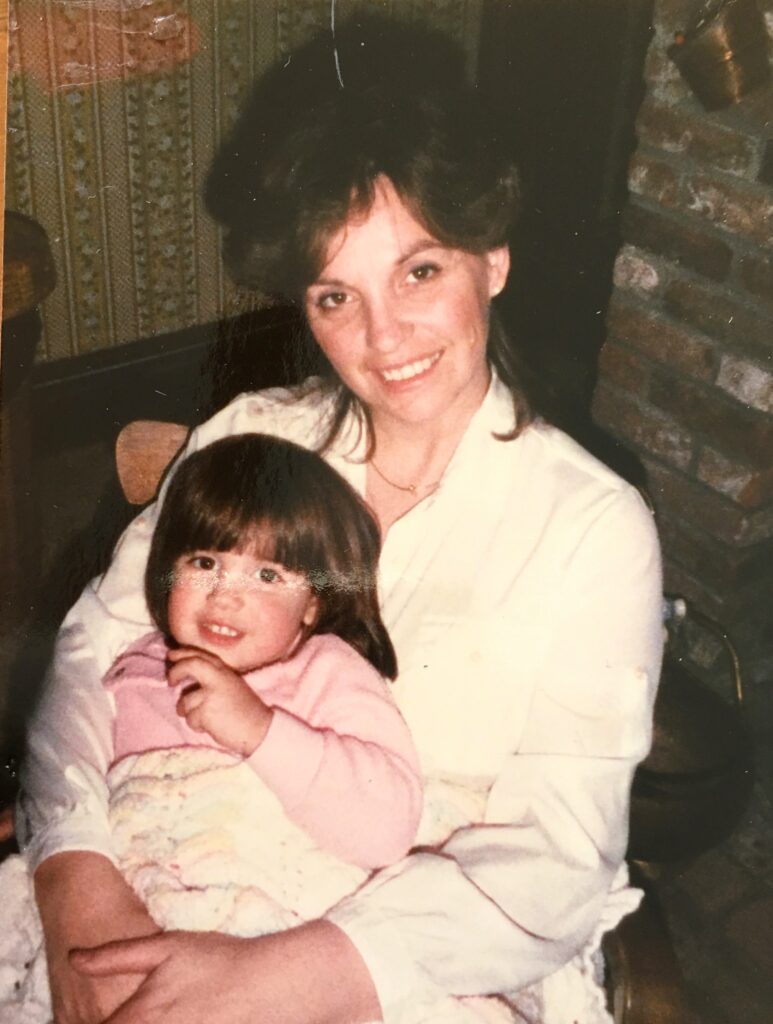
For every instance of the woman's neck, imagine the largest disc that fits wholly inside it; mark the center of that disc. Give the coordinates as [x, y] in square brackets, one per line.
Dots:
[411, 459]
[417, 452]
[408, 463]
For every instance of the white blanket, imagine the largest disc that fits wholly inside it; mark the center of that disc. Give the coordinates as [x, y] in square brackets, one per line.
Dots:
[208, 847]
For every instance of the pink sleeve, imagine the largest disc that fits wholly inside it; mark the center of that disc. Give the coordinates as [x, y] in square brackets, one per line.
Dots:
[346, 771]
[145, 707]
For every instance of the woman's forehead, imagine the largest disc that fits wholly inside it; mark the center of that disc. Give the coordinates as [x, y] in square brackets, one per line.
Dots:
[385, 219]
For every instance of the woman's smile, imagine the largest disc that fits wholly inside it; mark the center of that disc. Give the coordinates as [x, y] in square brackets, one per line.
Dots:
[408, 372]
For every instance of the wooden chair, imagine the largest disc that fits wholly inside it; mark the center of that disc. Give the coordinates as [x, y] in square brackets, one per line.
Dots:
[6, 826]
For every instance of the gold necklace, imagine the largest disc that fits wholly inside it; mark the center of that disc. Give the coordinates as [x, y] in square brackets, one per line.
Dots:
[406, 488]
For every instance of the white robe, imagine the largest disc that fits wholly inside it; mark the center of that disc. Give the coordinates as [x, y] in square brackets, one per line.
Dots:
[523, 598]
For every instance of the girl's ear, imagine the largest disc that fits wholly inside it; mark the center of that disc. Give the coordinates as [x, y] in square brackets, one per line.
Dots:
[311, 615]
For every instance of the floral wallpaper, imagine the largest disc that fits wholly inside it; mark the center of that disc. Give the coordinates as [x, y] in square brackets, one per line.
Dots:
[115, 108]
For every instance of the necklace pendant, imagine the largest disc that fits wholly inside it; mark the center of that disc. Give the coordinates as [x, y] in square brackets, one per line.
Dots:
[405, 488]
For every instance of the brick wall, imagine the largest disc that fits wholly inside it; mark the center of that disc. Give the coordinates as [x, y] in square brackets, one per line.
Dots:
[686, 372]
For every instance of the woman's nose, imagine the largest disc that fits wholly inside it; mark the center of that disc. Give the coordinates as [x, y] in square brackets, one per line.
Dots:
[384, 325]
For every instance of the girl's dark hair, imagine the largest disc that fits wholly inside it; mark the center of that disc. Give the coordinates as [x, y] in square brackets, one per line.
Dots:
[252, 486]
[309, 147]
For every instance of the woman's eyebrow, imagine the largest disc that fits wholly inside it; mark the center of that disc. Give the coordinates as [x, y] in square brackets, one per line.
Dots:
[420, 245]
[327, 282]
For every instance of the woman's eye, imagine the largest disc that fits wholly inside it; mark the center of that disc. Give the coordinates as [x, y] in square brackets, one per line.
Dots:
[424, 271]
[266, 575]
[331, 300]
[205, 562]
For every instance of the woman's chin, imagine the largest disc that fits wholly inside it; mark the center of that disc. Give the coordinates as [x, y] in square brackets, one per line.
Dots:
[426, 406]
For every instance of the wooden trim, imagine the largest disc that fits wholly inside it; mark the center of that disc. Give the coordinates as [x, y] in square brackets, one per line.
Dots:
[90, 397]
[177, 377]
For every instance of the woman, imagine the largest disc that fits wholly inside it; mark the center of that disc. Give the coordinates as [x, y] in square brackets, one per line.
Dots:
[519, 578]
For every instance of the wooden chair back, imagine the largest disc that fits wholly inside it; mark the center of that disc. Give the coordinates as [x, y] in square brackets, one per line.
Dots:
[143, 450]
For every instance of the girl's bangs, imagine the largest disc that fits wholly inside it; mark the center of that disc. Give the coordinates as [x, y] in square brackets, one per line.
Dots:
[267, 536]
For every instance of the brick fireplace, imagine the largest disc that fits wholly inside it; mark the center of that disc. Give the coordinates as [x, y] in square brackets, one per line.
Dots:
[686, 372]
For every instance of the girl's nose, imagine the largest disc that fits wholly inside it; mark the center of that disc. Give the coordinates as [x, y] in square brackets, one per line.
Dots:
[226, 588]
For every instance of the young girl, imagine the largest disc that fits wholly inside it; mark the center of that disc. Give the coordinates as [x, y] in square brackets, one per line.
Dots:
[260, 765]
[262, 580]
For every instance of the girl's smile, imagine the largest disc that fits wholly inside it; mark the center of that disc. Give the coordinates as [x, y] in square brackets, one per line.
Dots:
[247, 610]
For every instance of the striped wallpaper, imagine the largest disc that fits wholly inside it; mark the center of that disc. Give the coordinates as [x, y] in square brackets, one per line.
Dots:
[114, 110]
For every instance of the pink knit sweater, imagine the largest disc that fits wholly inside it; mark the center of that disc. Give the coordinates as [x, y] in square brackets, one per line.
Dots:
[337, 755]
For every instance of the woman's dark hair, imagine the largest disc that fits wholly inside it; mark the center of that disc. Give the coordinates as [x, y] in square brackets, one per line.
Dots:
[378, 98]
[299, 511]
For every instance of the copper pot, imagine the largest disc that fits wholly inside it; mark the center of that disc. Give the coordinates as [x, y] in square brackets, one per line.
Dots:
[724, 54]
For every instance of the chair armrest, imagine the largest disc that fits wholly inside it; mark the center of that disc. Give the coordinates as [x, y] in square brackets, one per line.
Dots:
[7, 838]
[645, 983]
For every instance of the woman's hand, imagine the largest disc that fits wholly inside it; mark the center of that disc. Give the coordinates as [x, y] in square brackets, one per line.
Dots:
[308, 975]
[215, 699]
[84, 901]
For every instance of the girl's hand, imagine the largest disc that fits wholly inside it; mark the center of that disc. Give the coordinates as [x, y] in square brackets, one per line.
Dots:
[215, 699]
[308, 975]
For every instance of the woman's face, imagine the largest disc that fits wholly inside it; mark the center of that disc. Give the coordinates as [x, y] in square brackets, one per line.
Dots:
[404, 319]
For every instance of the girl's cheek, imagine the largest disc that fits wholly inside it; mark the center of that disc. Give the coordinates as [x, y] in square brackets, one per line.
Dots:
[184, 587]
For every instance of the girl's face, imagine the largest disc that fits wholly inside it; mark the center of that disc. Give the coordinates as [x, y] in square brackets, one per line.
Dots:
[404, 319]
[245, 609]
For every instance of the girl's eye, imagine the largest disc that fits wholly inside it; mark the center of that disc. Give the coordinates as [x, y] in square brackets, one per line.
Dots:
[267, 575]
[424, 272]
[205, 562]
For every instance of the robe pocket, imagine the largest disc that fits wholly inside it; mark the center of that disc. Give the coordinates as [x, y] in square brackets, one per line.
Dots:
[607, 716]
[465, 694]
